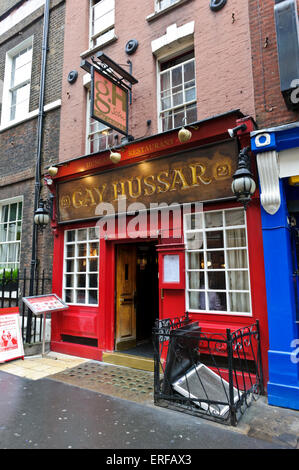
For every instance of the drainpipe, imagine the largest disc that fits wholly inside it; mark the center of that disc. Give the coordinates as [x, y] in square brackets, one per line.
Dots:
[37, 189]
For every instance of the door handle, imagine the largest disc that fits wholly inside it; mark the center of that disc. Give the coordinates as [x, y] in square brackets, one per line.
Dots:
[126, 300]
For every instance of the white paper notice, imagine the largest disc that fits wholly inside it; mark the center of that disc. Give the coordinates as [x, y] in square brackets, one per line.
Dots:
[171, 268]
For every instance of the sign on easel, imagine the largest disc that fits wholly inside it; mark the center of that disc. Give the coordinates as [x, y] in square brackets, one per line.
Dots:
[43, 304]
[11, 341]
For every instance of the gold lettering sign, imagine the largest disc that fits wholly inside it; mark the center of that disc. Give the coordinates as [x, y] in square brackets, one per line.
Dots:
[202, 174]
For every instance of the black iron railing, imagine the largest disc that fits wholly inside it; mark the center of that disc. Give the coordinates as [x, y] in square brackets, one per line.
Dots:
[216, 376]
[13, 287]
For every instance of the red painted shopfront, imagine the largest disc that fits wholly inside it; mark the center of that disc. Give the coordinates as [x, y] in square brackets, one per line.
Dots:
[145, 266]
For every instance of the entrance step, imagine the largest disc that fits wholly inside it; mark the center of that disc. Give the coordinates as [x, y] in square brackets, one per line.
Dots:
[128, 360]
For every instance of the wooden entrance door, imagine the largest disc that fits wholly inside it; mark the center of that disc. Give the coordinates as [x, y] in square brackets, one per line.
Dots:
[125, 297]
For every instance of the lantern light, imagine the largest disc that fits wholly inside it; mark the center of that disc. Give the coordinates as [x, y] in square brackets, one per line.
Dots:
[41, 216]
[115, 157]
[243, 185]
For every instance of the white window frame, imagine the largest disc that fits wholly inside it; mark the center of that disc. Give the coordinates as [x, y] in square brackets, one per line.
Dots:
[106, 34]
[8, 202]
[76, 272]
[183, 105]
[7, 88]
[226, 269]
[161, 5]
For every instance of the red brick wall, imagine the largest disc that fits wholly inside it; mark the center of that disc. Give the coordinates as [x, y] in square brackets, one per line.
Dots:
[222, 54]
[270, 106]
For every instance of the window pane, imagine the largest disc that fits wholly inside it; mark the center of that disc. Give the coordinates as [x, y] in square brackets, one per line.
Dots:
[70, 266]
[194, 221]
[3, 232]
[237, 259]
[215, 239]
[80, 296]
[13, 212]
[69, 280]
[217, 301]
[196, 280]
[92, 297]
[235, 217]
[81, 265]
[81, 249]
[195, 260]
[239, 302]
[93, 234]
[191, 113]
[189, 72]
[82, 234]
[4, 214]
[215, 260]
[70, 236]
[213, 219]
[216, 280]
[238, 280]
[93, 265]
[69, 296]
[81, 280]
[177, 76]
[178, 117]
[11, 232]
[70, 251]
[194, 240]
[165, 81]
[197, 301]
[236, 237]
[93, 280]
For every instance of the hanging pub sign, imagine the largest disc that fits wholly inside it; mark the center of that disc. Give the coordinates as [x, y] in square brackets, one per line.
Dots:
[109, 101]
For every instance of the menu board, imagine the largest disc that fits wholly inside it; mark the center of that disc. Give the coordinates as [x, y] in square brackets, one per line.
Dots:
[44, 303]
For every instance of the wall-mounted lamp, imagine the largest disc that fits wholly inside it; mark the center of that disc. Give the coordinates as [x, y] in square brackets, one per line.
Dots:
[52, 171]
[243, 185]
[41, 215]
[184, 135]
[233, 132]
[115, 157]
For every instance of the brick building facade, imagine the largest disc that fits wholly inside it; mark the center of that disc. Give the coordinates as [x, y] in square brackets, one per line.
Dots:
[21, 22]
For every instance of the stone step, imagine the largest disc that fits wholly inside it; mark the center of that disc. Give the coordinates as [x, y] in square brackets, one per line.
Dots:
[128, 360]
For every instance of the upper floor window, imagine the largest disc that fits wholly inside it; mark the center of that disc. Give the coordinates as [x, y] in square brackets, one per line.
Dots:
[16, 89]
[217, 266]
[102, 19]
[177, 92]
[10, 233]
[162, 4]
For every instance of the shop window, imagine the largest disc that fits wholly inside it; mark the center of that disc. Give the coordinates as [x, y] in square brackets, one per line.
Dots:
[102, 19]
[162, 4]
[17, 79]
[177, 93]
[81, 267]
[217, 269]
[10, 233]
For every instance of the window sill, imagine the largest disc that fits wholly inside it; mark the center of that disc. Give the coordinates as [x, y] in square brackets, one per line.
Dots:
[29, 116]
[157, 14]
[95, 49]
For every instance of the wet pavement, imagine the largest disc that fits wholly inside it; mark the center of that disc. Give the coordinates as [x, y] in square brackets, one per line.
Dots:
[64, 402]
[122, 382]
[46, 414]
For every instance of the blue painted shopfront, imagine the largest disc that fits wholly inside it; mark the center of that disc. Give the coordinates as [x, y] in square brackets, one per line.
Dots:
[277, 154]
